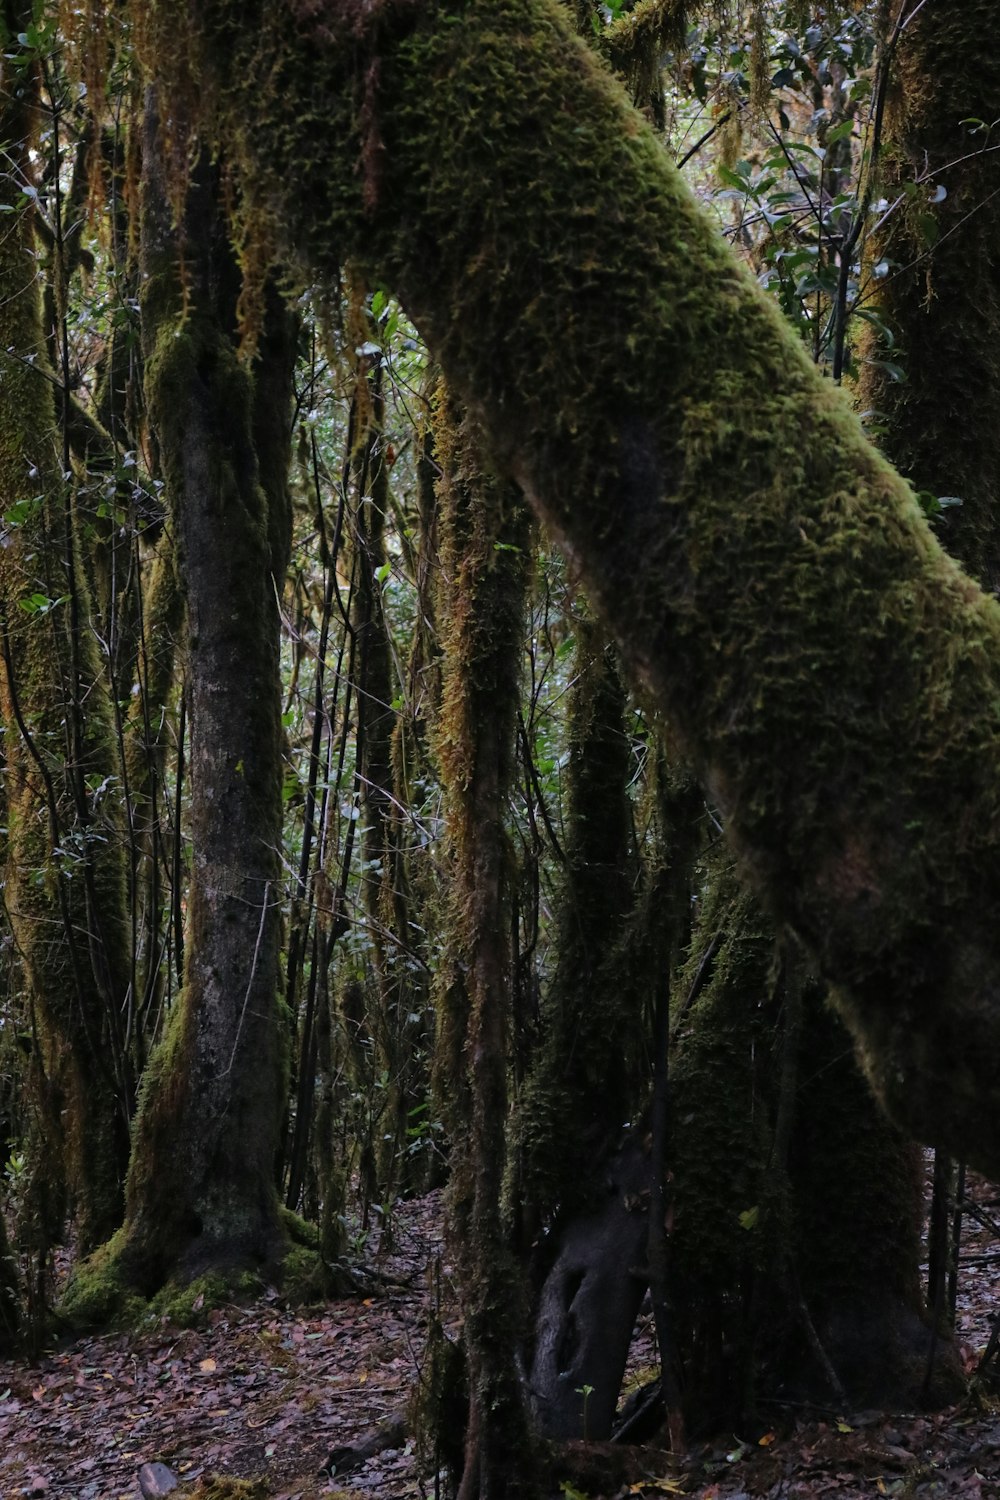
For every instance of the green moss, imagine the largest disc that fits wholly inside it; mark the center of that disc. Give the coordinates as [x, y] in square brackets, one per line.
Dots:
[102, 1293]
[188, 1305]
[99, 1295]
[220, 1487]
[299, 1230]
[305, 1277]
[832, 674]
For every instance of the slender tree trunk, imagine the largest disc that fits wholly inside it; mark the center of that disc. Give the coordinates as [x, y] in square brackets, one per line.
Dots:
[484, 534]
[941, 296]
[63, 887]
[383, 878]
[576, 1096]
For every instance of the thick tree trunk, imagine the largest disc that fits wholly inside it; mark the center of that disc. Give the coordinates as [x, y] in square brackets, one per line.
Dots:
[200, 1191]
[770, 579]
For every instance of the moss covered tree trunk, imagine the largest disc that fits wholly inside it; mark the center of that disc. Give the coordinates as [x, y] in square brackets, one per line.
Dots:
[484, 533]
[399, 1013]
[797, 1204]
[64, 883]
[942, 297]
[771, 581]
[576, 1095]
[579, 1195]
[200, 1190]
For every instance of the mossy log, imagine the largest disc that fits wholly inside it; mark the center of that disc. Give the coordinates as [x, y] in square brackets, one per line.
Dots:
[770, 579]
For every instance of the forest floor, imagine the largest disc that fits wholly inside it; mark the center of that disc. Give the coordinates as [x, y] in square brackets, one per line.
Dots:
[270, 1392]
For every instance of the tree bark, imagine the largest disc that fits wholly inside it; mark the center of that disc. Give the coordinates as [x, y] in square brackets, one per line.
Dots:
[63, 887]
[484, 534]
[941, 294]
[200, 1190]
[833, 675]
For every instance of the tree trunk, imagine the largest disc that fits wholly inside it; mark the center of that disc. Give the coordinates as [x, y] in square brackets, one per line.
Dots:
[577, 1096]
[200, 1190]
[484, 534]
[941, 298]
[771, 581]
[589, 1303]
[64, 886]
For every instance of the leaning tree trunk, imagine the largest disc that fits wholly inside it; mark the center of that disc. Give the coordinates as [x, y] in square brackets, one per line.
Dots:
[200, 1189]
[771, 581]
[64, 886]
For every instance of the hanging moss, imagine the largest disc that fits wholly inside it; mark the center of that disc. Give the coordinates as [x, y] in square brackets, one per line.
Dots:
[634, 45]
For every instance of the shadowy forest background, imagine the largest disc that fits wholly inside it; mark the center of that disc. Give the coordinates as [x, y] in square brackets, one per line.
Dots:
[341, 856]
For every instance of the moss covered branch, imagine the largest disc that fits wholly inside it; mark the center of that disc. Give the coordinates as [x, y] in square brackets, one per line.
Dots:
[769, 578]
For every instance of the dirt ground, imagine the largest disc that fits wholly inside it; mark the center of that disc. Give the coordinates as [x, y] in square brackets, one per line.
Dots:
[271, 1392]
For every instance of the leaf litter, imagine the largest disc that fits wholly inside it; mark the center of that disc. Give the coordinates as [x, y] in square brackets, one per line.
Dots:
[267, 1391]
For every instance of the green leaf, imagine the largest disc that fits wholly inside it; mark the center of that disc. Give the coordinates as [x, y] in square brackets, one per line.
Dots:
[928, 226]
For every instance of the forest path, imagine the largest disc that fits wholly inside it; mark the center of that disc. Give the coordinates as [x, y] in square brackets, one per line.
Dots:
[269, 1392]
